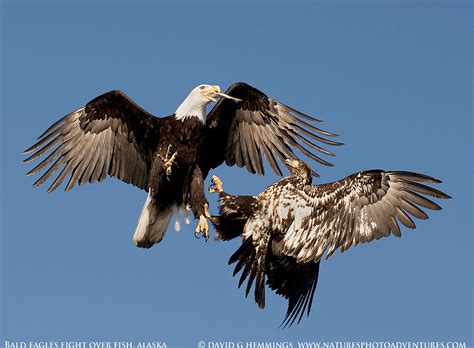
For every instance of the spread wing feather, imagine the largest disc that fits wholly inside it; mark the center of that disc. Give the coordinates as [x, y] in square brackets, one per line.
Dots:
[257, 128]
[111, 135]
[358, 209]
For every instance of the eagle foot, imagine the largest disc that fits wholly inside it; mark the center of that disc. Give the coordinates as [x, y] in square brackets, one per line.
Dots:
[216, 185]
[203, 226]
[168, 161]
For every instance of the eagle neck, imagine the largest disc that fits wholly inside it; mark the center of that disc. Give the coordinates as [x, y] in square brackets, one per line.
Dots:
[191, 108]
[301, 179]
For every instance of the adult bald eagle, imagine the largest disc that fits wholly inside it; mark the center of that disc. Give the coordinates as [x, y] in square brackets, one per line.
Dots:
[171, 156]
[288, 227]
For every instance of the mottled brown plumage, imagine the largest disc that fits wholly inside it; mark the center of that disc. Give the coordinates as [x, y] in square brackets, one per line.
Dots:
[289, 226]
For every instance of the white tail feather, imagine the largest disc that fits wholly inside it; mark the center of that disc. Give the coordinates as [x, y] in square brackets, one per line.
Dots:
[152, 224]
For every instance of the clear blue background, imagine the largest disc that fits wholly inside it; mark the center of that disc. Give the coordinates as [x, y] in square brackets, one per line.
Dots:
[393, 78]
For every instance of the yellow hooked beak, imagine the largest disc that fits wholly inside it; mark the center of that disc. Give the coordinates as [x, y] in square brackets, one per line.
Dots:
[215, 91]
[211, 93]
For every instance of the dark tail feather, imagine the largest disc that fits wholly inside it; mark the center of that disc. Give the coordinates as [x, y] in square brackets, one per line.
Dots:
[294, 281]
[301, 295]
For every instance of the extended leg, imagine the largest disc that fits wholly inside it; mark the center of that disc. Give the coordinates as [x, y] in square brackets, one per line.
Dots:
[199, 204]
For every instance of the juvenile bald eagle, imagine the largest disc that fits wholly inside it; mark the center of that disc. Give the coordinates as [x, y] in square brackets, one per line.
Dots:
[288, 227]
[171, 156]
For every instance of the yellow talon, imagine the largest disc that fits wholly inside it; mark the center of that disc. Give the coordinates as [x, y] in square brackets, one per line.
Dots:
[216, 184]
[168, 161]
[202, 227]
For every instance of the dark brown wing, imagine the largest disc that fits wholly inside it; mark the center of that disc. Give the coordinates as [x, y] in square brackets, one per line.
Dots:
[258, 127]
[357, 209]
[111, 135]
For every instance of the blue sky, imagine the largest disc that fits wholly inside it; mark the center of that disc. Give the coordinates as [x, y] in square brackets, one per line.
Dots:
[393, 78]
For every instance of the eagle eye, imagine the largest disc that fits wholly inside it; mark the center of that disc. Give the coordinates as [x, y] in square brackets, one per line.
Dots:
[201, 87]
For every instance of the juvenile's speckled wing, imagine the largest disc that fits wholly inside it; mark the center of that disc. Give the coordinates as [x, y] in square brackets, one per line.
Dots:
[357, 209]
[257, 128]
[111, 135]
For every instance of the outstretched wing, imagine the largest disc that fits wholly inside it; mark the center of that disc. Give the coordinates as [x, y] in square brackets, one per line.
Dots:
[111, 135]
[357, 209]
[258, 127]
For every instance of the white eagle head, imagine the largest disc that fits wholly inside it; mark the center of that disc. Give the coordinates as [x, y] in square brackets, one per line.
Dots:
[195, 103]
[300, 170]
